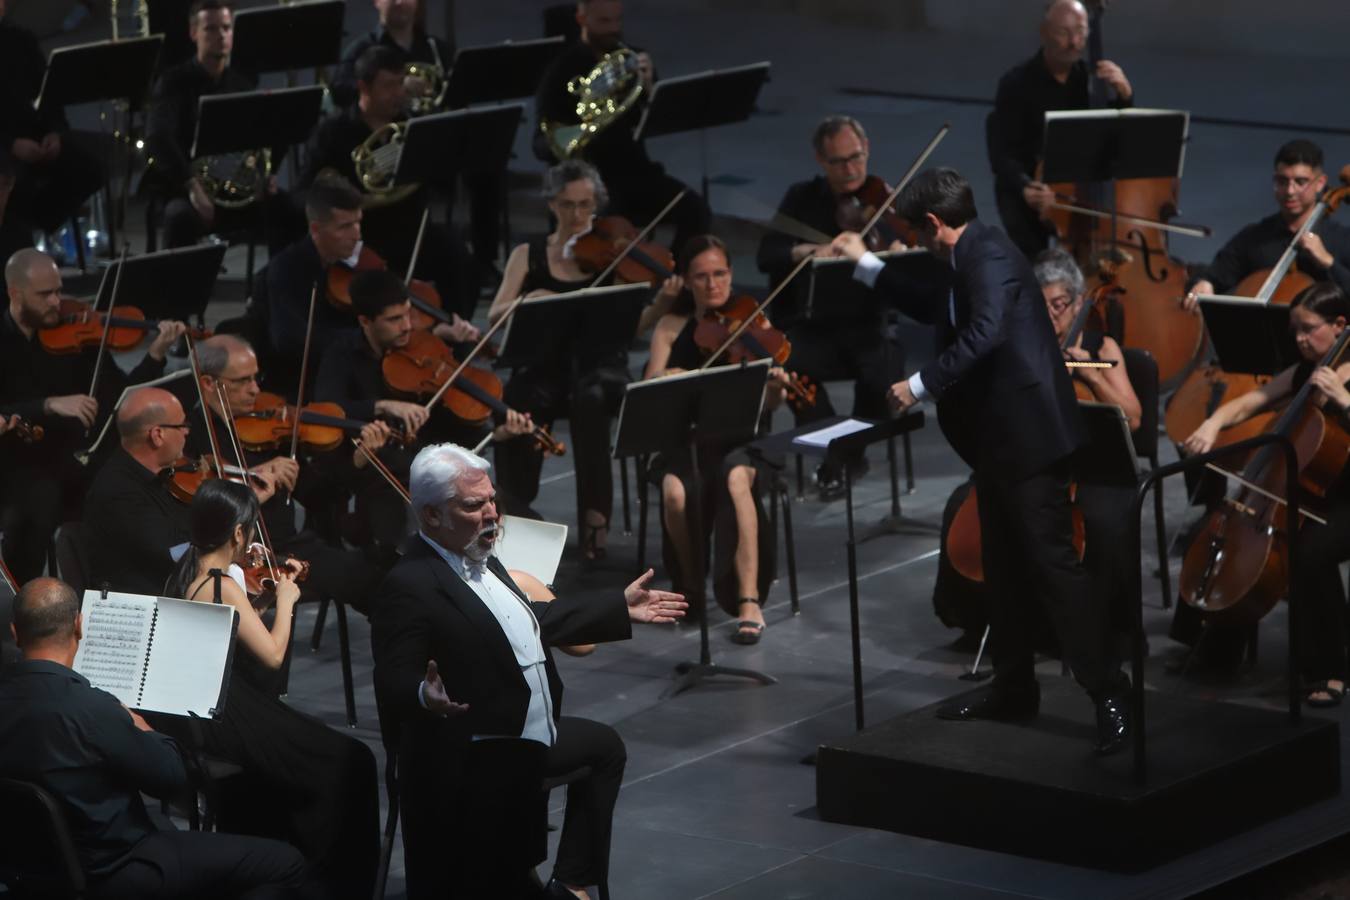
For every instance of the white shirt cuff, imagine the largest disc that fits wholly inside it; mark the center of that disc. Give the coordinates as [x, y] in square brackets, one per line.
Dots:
[917, 389]
[868, 268]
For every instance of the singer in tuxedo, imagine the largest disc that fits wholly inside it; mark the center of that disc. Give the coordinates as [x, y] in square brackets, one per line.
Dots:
[1007, 406]
[470, 697]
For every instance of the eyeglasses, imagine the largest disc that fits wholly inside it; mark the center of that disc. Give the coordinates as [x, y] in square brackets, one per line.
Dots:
[181, 426]
[839, 162]
[242, 380]
[1300, 182]
[710, 277]
[575, 205]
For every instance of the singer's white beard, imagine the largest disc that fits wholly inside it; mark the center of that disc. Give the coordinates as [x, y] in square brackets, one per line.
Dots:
[476, 551]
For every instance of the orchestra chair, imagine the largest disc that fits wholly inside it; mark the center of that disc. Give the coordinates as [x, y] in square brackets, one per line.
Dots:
[72, 559]
[1142, 370]
[37, 850]
[344, 649]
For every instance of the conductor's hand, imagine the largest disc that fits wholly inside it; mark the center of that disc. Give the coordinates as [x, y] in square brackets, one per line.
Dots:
[850, 244]
[651, 605]
[434, 696]
[900, 398]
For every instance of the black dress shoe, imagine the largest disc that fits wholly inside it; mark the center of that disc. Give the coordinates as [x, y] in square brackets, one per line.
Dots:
[1115, 722]
[995, 702]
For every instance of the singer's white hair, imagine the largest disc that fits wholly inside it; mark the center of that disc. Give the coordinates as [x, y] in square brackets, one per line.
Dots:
[435, 474]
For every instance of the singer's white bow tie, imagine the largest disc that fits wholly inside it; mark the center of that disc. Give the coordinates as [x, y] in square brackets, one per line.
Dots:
[474, 568]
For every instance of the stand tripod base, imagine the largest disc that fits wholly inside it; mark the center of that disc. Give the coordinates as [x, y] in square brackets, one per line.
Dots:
[691, 673]
[898, 524]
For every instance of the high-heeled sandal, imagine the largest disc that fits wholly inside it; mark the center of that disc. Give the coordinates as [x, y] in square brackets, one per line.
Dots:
[748, 631]
[591, 551]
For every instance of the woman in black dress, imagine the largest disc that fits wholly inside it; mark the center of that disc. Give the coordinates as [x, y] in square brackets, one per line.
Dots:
[731, 478]
[302, 782]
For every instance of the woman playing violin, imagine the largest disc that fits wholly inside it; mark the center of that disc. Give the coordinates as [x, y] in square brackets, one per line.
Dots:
[1318, 316]
[742, 544]
[303, 782]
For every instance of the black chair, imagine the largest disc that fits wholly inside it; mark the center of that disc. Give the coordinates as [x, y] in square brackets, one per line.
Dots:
[344, 650]
[1142, 370]
[72, 560]
[37, 851]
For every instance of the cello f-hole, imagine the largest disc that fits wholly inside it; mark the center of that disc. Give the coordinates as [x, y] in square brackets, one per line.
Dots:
[1163, 272]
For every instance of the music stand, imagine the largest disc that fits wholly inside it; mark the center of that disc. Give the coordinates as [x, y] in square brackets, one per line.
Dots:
[104, 70]
[466, 140]
[1114, 144]
[701, 101]
[842, 441]
[1108, 455]
[685, 412]
[548, 328]
[1249, 337]
[191, 270]
[248, 120]
[288, 38]
[830, 284]
[494, 73]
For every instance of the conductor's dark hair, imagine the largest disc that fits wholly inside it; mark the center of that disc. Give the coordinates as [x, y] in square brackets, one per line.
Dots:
[375, 60]
[943, 192]
[832, 125]
[1300, 152]
[330, 191]
[217, 507]
[201, 6]
[375, 290]
[1326, 299]
[44, 610]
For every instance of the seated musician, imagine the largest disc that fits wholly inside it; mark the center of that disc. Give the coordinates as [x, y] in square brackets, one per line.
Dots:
[1056, 78]
[55, 172]
[639, 187]
[853, 336]
[391, 219]
[304, 781]
[1318, 316]
[41, 485]
[1323, 253]
[96, 757]
[733, 511]
[566, 380]
[400, 30]
[227, 363]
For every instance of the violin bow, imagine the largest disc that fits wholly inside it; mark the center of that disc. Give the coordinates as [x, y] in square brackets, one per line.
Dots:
[641, 235]
[417, 248]
[806, 260]
[482, 342]
[304, 375]
[211, 438]
[384, 470]
[107, 320]
[245, 476]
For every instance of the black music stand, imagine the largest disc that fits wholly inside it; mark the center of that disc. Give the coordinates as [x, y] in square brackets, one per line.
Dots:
[466, 140]
[1108, 456]
[288, 38]
[843, 450]
[93, 73]
[494, 73]
[701, 101]
[1114, 144]
[1249, 337]
[684, 412]
[168, 284]
[549, 328]
[239, 122]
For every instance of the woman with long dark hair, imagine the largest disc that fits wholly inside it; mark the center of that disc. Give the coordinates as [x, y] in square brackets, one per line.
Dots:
[302, 782]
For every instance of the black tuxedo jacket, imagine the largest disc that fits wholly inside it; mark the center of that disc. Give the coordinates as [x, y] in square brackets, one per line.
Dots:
[1004, 398]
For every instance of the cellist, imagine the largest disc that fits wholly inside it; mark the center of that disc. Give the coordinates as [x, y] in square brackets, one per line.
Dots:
[1317, 317]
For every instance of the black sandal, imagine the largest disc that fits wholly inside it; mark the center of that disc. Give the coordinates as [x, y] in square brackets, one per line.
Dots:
[748, 631]
[1334, 696]
[591, 551]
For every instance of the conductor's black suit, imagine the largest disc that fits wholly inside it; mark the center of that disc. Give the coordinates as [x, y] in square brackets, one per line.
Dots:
[474, 815]
[1007, 406]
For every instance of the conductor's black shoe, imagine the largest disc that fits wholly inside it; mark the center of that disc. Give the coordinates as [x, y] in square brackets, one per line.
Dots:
[995, 702]
[1115, 722]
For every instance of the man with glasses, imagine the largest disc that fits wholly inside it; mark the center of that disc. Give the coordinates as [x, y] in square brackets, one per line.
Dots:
[1323, 253]
[848, 335]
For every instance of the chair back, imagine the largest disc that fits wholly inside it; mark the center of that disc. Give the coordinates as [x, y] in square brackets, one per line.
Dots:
[1142, 370]
[72, 559]
[37, 851]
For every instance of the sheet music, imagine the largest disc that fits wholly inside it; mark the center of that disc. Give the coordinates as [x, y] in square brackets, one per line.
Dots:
[190, 657]
[531, 546]
[821, 437]
[117, 632]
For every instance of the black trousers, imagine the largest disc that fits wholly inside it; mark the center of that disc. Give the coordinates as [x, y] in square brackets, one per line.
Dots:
[34, 501]
[177, 864]
[640, 192]
[47, 194]
[1028, 552]
[588, 823]
[1321, 594]
[865, 351]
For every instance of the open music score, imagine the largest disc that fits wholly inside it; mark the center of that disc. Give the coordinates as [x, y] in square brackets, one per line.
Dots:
[116, 635]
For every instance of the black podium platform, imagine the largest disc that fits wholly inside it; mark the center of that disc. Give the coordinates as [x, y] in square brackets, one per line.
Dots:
[1034, 789]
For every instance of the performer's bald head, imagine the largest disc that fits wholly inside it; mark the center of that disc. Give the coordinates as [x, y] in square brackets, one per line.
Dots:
[152, 427]
[46, 616]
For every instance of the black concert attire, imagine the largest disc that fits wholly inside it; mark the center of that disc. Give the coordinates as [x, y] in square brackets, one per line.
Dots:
[391, 228]
[716, 509]
[1006, 405]
[565, 380]
[80, 745]
[851, 335]
[1261, 244]
[639, 188]
[42, 484]
[1014, 133]
[46, 194]
[170, 131]
[474, 815]
[131, 520]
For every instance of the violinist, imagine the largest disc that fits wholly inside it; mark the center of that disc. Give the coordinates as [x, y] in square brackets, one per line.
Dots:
[303, 782]
[743, 547]
[42, 484]
[1006, 405]
[857, 338]
[1317, 317]
[639, 187]
[1056, 78]
[1324, 252]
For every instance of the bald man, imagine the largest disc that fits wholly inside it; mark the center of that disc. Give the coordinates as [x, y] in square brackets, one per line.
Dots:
[96, 757]
[1056, 78]
[42, 485]
[131, 520]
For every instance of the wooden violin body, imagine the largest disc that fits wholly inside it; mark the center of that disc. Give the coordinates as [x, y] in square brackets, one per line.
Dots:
[854, 211]
[758, 340]
[339, 279]
[272, 422]
[82, 328]
[610, 236]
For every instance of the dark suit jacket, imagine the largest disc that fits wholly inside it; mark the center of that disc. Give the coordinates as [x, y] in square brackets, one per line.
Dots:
[424, 611]
[1004, 398]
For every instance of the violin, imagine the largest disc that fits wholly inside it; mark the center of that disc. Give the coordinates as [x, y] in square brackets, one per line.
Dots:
[758, 341]
[187, 475]
[260, 566]
[81, 328]
[338, 284]
[272, 423]
[854, 210]
[25, 431]
[614, 237]
[422, 368]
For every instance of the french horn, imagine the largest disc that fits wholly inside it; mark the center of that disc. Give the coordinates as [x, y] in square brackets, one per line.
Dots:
[603, 94]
